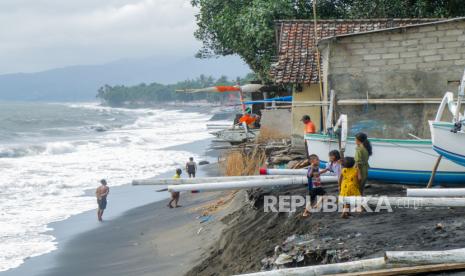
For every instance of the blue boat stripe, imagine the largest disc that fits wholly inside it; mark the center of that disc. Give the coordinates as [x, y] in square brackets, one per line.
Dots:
[414, 177]
[450, 153]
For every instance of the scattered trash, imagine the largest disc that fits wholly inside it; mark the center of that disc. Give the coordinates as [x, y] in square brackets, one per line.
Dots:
[200, 229]
[284, 258]
[439, 226]
[277, 250]
[204, 219]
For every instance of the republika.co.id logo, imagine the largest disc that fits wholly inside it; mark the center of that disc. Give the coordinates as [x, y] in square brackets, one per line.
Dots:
[329, 204]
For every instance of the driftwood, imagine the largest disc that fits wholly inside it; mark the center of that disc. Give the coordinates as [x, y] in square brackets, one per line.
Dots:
[394, 263]
[425, 257]
[362, 265]
[409, 270]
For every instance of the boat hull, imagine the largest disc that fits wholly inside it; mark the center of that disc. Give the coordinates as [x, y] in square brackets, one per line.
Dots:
[395, 160]
[446, 143]
[237, 135]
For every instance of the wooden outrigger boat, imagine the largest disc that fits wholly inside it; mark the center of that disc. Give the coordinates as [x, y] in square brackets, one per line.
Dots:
[448, 138]
[405, 161]
[236, 135]
[233, 135]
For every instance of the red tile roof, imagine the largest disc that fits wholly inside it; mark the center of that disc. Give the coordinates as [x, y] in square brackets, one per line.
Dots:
[296, 61]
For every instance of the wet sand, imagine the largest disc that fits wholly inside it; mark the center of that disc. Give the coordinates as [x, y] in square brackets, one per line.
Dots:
[83, 242]
[149, 240]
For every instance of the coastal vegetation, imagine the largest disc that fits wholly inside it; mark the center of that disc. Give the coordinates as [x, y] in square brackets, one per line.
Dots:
[242, 162]
[246, 28]
[146, 94]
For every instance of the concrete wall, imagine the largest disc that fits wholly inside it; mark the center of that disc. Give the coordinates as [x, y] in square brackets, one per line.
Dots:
[308, 93]
[278, 120]
[414, 62]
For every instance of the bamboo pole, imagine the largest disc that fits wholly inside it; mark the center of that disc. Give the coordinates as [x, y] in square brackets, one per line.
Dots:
[390, 101]
[362, 265]
[171, 181]
[425, 257]
[265, 171]
[237, 185]
[433, 174]
[443, 192]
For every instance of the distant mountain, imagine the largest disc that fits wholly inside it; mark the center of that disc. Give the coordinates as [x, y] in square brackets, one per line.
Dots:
[80, 83]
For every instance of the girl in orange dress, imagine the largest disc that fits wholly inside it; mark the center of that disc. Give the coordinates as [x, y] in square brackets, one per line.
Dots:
[349, 183]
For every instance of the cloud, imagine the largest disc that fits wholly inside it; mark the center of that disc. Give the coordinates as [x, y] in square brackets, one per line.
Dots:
[42, 34]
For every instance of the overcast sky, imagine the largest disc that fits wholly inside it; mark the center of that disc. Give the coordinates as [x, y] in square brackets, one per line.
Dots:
[41, 34]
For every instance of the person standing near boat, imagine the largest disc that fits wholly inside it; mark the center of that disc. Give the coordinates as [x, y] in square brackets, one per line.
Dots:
[362, 154]
[309, 126]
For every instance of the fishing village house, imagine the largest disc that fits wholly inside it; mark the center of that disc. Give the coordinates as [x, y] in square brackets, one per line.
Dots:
[414, 61]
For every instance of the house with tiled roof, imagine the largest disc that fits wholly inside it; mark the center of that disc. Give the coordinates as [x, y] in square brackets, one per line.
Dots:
[374, 59]
[413, 64]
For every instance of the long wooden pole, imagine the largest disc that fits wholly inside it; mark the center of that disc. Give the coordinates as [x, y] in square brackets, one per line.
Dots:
[283, 171]
[320, 83]
[390, 101]
[443, 192]
[406, 202]
[171, 181]
[237, 185]
[433, 174]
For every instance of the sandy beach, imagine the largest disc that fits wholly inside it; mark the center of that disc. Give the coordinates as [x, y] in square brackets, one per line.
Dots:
[149, 240]
[138, 229]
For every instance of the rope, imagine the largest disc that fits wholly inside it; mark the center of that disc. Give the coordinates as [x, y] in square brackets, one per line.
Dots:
[425, 153]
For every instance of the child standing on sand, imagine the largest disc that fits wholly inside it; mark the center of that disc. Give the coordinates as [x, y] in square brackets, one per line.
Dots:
[334, 164]
[314, 183]
[349, 183]
[175, 195]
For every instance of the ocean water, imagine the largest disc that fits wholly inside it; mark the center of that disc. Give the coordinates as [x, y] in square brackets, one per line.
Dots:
[51, 153]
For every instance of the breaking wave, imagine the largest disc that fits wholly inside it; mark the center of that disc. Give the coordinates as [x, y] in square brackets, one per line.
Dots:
[50, 165]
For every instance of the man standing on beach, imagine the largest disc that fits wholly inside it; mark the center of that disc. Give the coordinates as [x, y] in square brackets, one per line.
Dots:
[101, 194]
[191, 167]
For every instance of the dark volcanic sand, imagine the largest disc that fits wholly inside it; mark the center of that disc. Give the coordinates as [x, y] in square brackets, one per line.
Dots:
[252, 234]
[150, 240]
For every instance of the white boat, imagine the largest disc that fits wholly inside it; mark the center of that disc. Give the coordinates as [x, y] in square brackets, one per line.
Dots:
[405, 161]
[448, 138]
[237, 135]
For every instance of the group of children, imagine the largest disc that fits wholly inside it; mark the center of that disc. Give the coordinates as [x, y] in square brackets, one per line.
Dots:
[352, 173]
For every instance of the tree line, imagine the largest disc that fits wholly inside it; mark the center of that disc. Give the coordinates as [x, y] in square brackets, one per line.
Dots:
[147, 94]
